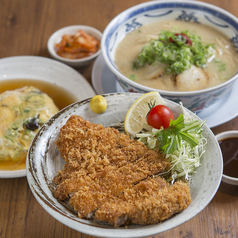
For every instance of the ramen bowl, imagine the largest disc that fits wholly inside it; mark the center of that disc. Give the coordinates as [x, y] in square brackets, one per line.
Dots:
[44, 162]
[182, 11]
[71, 30]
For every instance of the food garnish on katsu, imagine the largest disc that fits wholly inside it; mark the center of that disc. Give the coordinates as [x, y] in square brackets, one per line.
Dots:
[111, 177]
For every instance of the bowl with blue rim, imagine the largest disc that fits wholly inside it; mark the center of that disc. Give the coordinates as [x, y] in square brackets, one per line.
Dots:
[195, 12]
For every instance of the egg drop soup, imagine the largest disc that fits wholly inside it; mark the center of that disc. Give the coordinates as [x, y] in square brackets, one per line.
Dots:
[25, 105]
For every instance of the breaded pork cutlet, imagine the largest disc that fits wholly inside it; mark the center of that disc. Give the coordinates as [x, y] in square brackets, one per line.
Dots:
[89, 198]
[110, 177]
[91, 151]
[148, 202]
[82, 143]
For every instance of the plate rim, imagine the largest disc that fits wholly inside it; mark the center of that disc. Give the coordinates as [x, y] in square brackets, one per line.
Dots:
[41, 61]
[137, 232]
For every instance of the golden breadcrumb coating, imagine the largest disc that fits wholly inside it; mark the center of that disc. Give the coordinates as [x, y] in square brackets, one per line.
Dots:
[109, 177]
[90, 152]
[89, 198]
[149, 202]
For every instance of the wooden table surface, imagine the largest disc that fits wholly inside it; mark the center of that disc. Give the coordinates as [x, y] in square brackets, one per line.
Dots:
[25, 27]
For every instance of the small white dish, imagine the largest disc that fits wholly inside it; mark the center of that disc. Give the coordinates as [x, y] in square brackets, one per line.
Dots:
[70, 30]
[225, 135]
[43, 162]
[43, 69]
[104, 81]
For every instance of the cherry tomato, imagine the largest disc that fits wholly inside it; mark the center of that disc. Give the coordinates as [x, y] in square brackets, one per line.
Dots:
[158, 116]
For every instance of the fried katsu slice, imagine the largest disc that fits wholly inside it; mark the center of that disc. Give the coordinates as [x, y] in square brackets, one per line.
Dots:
[89, 198]
[77, 180]
[90, 152]
[148, 202]
[81, 144]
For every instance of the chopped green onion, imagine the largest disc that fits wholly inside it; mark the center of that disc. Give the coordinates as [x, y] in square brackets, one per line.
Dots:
[9, 139]
[178, 51]
[221, 65]
[133, 77]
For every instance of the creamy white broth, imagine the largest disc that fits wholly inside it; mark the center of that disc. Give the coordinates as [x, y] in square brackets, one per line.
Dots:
[128, 50]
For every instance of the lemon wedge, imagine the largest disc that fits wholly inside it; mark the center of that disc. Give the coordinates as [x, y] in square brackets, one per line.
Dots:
[136, 116]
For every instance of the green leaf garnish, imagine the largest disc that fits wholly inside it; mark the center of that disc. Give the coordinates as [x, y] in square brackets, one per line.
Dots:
[190, 139]
[171, 137]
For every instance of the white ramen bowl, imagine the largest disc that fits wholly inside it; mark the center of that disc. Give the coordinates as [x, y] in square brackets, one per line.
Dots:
[44, 161]
[153, 11]
[71, 30]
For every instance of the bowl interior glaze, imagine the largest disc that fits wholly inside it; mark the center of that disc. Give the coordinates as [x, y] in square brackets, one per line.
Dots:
[44, 161]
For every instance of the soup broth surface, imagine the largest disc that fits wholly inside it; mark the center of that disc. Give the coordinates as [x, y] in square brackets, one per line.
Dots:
[220, 69]
[60, 96]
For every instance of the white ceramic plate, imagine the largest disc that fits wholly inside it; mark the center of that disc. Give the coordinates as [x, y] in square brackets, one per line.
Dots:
[43, 162]
[48, 70]
[104, 81]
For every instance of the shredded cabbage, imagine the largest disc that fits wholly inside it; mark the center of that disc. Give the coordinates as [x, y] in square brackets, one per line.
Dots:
[182, 143]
